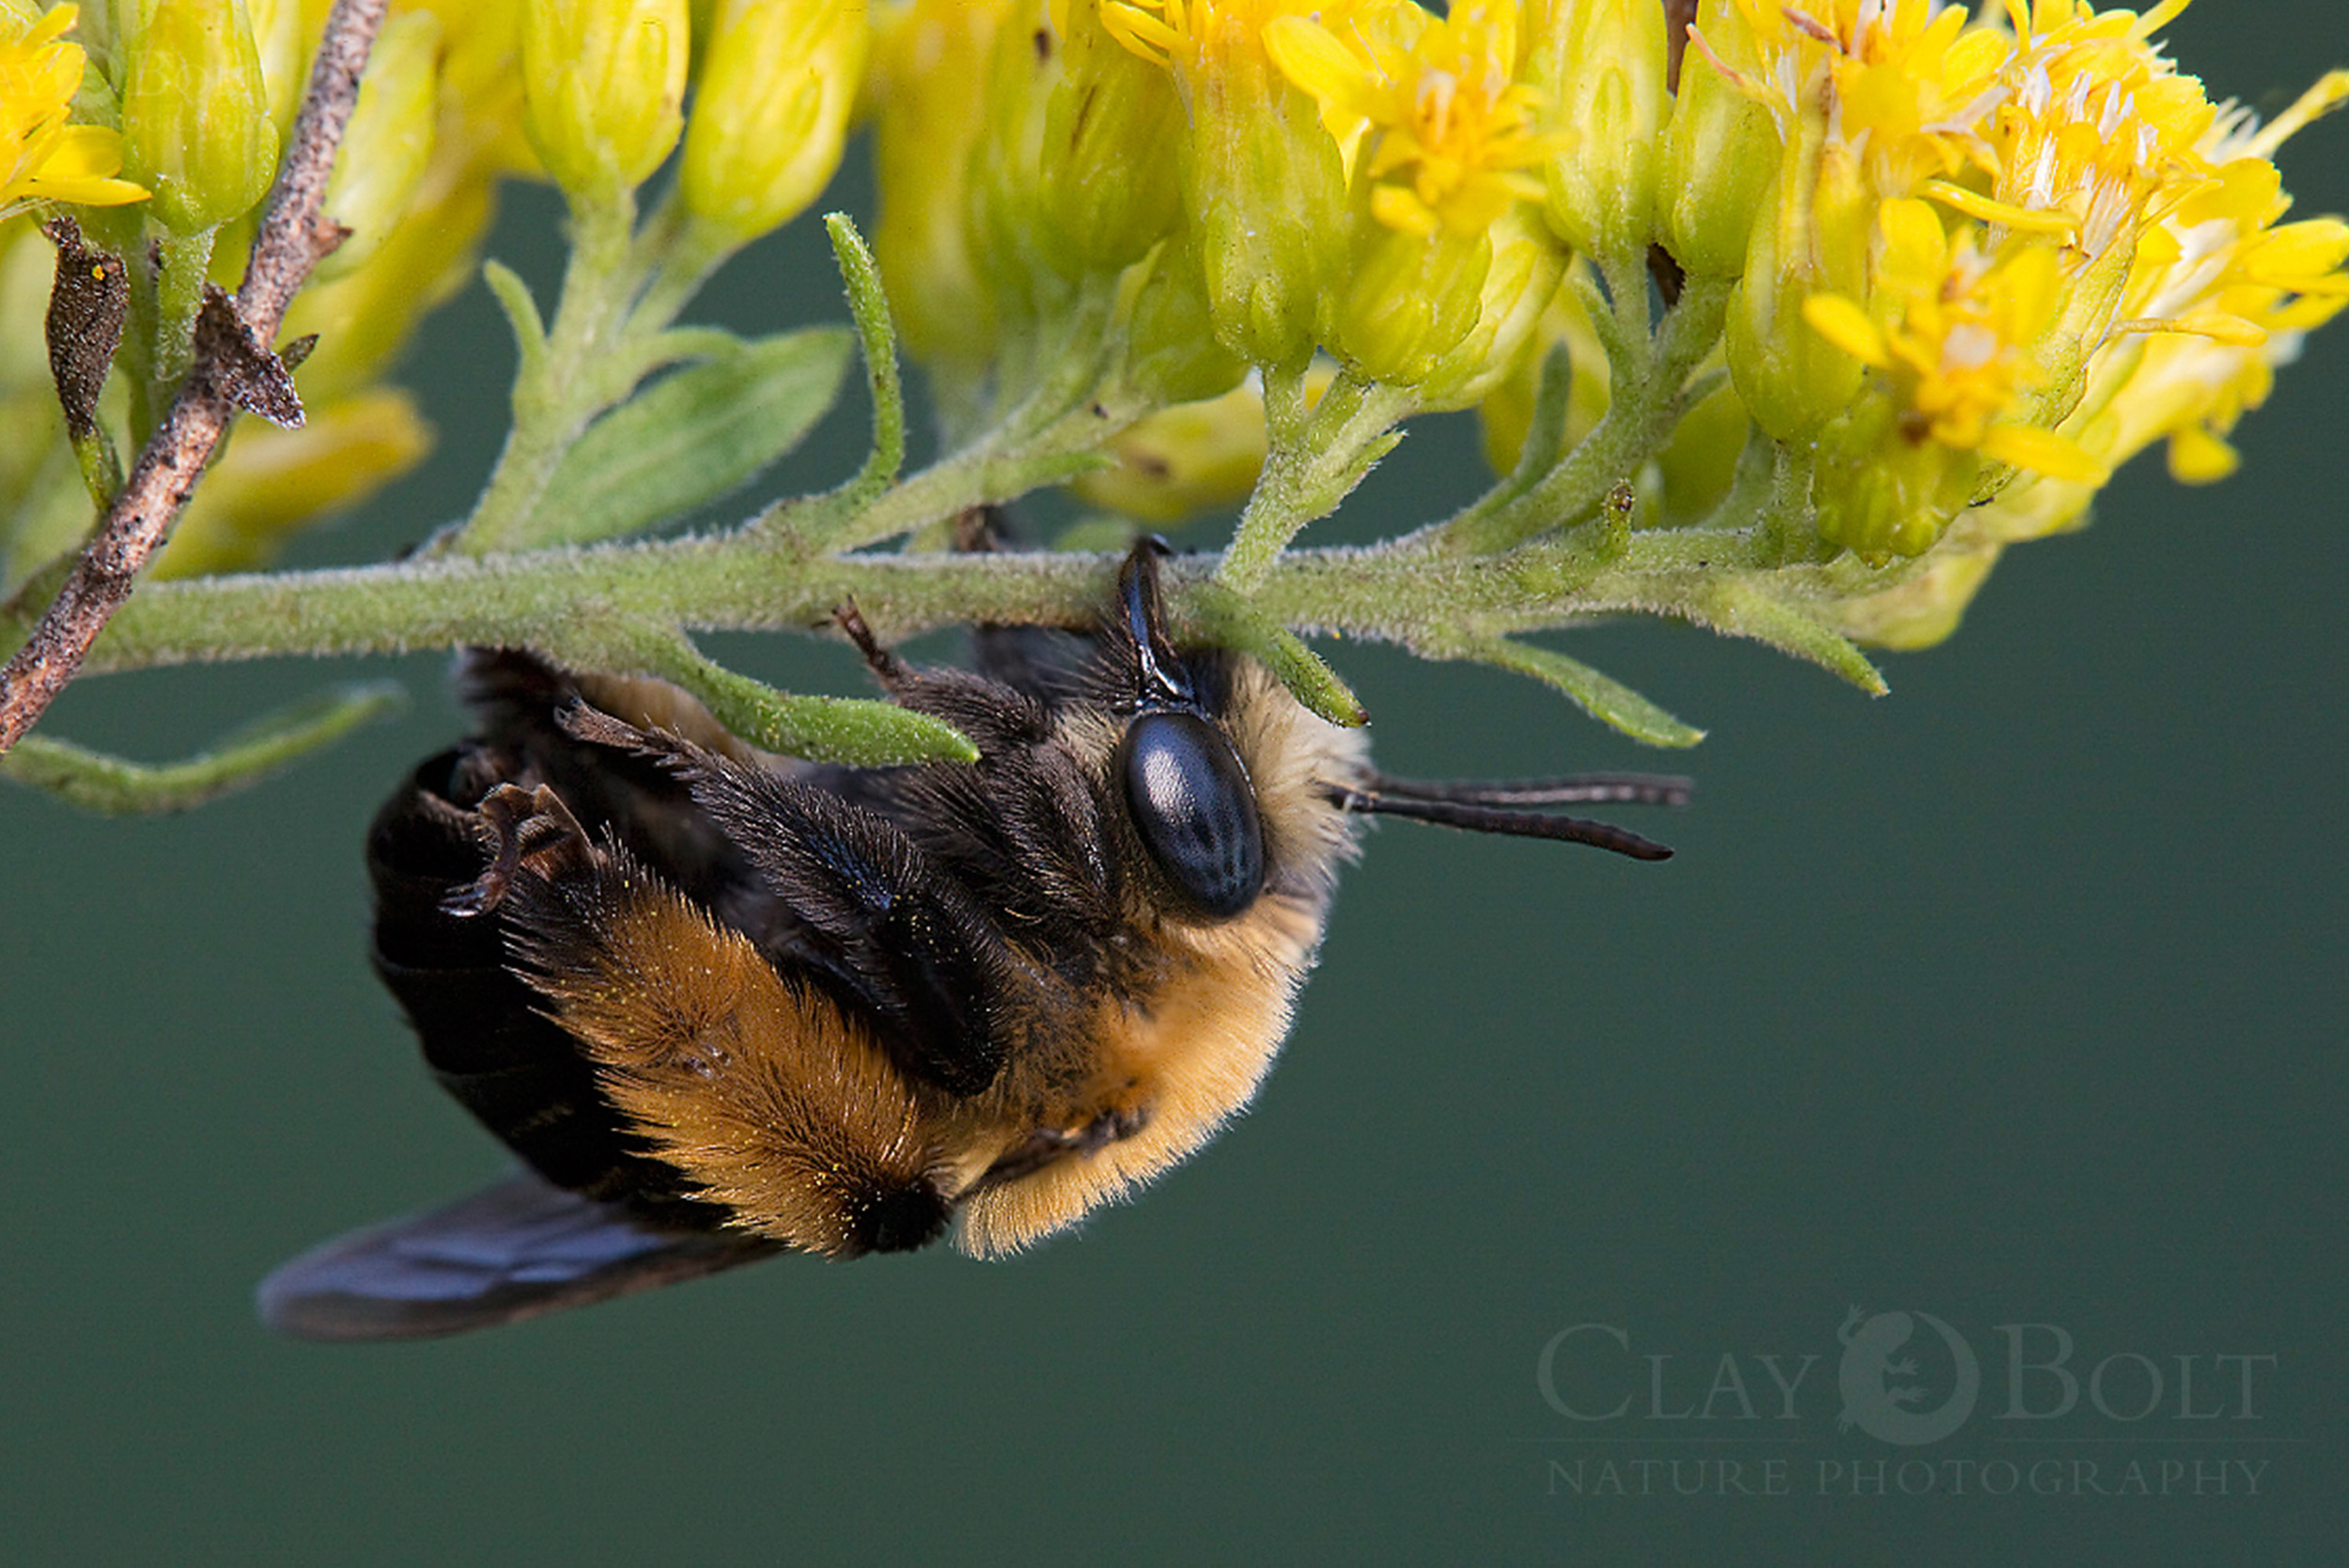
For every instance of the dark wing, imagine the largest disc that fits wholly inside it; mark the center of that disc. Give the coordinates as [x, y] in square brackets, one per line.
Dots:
[517, 1249]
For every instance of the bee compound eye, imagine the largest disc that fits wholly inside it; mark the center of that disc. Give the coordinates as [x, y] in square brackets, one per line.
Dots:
[1190, 799]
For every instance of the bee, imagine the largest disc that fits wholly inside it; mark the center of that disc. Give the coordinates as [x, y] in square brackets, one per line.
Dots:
[722, 1004]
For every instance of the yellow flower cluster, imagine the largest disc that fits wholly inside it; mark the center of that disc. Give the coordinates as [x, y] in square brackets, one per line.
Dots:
[2019, 232]
[1964, 263]
[191, 99]
[1972, 257]
[42, 156]
[436, 126]
[194, 99]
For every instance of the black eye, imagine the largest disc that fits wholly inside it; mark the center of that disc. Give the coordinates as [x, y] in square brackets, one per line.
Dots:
[1195, 810]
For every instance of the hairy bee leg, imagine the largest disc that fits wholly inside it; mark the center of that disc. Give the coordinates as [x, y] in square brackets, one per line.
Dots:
[584, 721]
[886, 666]
[518, 825]
[979, 530]
[1044, 1145]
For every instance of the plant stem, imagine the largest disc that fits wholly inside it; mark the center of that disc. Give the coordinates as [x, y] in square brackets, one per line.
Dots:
[581, 370]
[1649, 395]
[1314, 459]
[287, 244]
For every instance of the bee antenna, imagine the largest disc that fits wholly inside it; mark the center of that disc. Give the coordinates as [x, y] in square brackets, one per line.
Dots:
[1163, 679]
[1571, 789]
[1480, 817]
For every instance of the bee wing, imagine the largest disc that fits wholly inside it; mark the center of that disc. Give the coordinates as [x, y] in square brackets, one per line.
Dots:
[518, 1248]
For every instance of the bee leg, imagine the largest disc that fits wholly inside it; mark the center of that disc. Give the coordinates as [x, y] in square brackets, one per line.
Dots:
[887, 666]
[1044, 1145]
[979, 530]
[518, 825]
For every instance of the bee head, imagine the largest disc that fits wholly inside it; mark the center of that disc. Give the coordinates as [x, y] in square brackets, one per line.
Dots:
[1185, 787]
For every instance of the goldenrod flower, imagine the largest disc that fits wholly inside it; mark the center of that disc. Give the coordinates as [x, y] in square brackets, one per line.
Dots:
[1428, 109]
[771, 112]
[604, 88]
[1814, 236]
[1901, 83]
[923, 132]
[2096, 228]
[1721, 152]
[1264, 185]
[2169, 286]
[42, 157]
[1111, 189]
[1601, 63]
[1953, 363]
[1006, 203]
[1172, 354]
[2220, 294]
[1958, 348]
[195, 118]
[455, 65]
[1522, 278]
[1439, 138]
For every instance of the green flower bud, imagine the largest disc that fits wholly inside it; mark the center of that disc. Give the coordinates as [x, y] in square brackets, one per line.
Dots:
[604, 88]
[1110, 191]
[389, 142]
[771, 112]
[1720, 153]
[1813, 238]
[1881, 493]
[1172, 354]
[1407, 301]
[1266, 196]
[923, 133]
[1004, 221]
[1602, 64]
[1528, 265]
[196, 125]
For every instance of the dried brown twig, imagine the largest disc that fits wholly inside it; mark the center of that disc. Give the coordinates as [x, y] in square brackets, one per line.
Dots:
[292, 239]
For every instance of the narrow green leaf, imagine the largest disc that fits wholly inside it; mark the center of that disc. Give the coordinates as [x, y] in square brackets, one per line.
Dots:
[691, 437]
[1545, 430]
[877, 333]
[1602, 697]
[858, 731]
[118, 786]
[521, 313]
[1743, 610]
[1235, 623]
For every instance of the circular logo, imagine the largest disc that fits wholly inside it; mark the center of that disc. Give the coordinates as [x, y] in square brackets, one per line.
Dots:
[1879, 1385]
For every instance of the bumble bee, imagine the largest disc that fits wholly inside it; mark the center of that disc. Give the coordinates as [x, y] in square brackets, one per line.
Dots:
[721, 1004]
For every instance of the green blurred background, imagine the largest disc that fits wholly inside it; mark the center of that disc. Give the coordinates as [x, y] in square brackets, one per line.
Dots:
[2007, 999]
